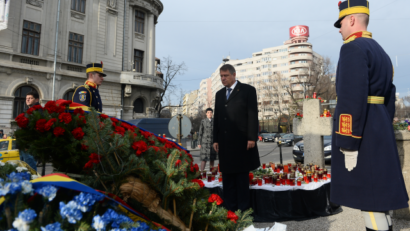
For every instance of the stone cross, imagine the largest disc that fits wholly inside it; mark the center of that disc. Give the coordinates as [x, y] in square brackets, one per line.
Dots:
[313, 127]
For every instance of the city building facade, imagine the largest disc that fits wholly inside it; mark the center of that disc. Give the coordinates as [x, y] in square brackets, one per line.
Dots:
[120, 36]
[278, 74]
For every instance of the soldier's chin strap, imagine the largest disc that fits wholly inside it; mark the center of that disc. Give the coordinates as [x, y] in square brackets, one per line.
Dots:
[377, 221]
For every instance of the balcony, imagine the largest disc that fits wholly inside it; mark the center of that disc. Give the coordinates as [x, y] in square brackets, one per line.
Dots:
[140, 79]
[299, 57]
[299, 65]
[299, 73]
[301, 50]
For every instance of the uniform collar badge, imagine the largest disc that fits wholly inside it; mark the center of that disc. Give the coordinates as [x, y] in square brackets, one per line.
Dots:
[360, 34]
[91, 84]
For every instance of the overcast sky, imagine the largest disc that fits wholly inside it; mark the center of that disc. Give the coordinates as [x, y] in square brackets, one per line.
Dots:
[200, 33]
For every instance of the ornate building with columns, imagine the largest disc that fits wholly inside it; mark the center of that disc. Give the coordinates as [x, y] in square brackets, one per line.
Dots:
[121, 34]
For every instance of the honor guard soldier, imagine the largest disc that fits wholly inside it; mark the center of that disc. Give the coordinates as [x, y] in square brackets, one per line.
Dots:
[88, 93]
[366, 172]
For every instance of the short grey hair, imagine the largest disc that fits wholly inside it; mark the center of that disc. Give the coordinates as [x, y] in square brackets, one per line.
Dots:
[228, 67]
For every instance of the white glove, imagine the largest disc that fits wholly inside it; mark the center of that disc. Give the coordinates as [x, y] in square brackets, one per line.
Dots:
[350, 159]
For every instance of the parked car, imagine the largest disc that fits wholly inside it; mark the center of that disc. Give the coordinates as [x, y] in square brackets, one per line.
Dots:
[290, 139]
[298, 150]
[267, 137]
[158, 126]
[8, 150]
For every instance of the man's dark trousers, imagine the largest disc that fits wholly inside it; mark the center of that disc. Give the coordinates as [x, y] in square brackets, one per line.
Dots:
[236, 193]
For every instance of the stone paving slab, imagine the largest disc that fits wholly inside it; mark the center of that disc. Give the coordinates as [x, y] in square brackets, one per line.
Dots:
[348, 220]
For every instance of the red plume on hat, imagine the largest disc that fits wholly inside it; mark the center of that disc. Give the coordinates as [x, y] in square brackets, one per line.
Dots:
[102, 65]
[340, 2]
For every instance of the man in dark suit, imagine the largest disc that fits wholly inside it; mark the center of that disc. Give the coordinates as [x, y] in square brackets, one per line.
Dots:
[235, 136]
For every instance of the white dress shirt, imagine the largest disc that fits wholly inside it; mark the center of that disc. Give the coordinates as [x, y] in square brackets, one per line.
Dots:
[232, 87]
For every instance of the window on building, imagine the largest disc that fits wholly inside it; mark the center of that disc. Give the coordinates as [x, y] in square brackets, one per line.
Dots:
[139, 21]
[293, 62]
[274, 65]
[303, 54]
[303, 61]
[30, 43]
[284, 57]
[139, 106]
[267, 53]
[68, 95]
[284, 72]
[138, 60]
[75, 48]
[78, 5]
[283, 64]
[20, 105]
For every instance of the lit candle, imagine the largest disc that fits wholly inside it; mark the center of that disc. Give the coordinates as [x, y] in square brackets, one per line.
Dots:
[259, 181]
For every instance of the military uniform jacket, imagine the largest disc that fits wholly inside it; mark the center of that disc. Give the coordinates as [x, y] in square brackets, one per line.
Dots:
[205, 137]
[236, 122]
[88, 95]
[363, 124]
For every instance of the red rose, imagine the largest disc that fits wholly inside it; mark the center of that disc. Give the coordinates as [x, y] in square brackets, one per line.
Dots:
[232, 216]
[162, 140]
[196, 167]
[298, 114]
[104, 116]
[127, 126]
[30, 111]
[49, 123]
[78, 133]
[84, 147]
[151, 141]
[215, 198]
[250, 177]
[145, 134]
[40, 125]
[140, 147]
[78, 111]
[58, 131]
[95, 158]
[22, 120]
[199, 182]
[301, 115]
[114, 120]
[65, 103]
[154, 147]
[81, 118]
[65, 118]
[88, 165]
[119, 130]
[51, 107]
[177, 163]
[36, 107]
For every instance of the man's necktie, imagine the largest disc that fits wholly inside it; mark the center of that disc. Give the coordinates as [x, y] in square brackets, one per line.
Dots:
[229, 93]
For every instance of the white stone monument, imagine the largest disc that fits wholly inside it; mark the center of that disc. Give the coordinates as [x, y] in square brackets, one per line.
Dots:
[313, 127]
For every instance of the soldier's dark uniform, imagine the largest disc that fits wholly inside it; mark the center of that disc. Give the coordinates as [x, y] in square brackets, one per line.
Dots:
[88, 93]
[363, 121]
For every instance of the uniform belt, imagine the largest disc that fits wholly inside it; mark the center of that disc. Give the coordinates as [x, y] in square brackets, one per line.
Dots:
[375, 99]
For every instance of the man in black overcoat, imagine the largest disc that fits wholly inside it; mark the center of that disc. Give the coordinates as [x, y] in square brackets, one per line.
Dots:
[235, 136]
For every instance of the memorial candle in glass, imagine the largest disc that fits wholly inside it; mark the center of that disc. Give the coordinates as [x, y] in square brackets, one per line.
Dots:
[213, 177]
[263, 165]
[324, 177]
[328, 176]
[315, 178]
[259, 181]
[278, 182]
[299, 182]
[325, 171]
[209, 178]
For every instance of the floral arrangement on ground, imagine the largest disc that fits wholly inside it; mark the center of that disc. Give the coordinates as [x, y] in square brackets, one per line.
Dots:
[151, 174]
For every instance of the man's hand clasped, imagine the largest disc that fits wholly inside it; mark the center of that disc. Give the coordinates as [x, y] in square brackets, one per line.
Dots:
[251, 144]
